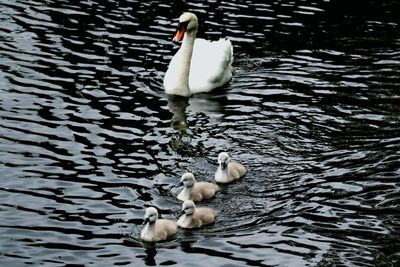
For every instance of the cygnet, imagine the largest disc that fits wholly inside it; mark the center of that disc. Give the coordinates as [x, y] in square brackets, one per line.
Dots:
[196, 191]
[156, 229]
[228, 171]
[195, 217]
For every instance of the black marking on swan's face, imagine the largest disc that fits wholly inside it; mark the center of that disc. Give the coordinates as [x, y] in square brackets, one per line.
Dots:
[182, 26]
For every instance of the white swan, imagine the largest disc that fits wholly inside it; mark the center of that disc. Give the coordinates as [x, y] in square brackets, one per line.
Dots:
[199, 65]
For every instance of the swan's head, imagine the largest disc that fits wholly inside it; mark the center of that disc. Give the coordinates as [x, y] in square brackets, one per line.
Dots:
[223, 160]
[188, 207]
[151, 215]
[187, 22]
[188, 179]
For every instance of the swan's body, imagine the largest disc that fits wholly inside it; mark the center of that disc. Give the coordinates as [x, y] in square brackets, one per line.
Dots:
[156, 229]
[199, 65]
[196, 191]
[195, 217]
[228, 171]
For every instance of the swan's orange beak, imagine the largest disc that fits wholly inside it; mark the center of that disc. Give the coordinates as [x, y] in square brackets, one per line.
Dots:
[182, 28]
[179, 35]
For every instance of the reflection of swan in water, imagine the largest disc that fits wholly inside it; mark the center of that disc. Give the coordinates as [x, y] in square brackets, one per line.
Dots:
[181, 141]
[177, 106]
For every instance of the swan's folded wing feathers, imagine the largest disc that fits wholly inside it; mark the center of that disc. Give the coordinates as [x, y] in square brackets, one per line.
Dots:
[211, 63]
[211, 58]
[227, 51]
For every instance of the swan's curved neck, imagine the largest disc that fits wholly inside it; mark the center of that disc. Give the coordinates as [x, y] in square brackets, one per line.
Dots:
[186, 58]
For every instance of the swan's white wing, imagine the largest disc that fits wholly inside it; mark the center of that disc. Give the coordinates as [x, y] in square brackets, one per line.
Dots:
[211, 65]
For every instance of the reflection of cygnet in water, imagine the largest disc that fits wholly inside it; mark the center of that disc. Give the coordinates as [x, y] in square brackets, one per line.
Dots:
[196, 191]
[156, 229]
[228, 171]
[195, 217]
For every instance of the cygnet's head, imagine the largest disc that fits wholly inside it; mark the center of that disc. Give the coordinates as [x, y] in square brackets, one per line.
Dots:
[150, 216]
[188, 207]
[223, 160]
[188, 179]
[188, 22]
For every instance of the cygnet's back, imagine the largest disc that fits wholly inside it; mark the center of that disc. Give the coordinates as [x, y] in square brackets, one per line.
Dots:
[203, 190]
[236, 170]
[203, 216]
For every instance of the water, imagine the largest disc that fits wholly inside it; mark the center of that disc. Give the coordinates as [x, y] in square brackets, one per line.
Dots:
[89, 138]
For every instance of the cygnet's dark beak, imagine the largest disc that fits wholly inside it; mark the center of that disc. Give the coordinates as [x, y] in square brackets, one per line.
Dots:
[178, 184]
[146, 220]
[182, 212]
[223, 165]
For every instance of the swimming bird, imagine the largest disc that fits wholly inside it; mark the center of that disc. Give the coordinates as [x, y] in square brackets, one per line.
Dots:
[228, 171]
[199, 65]
[196, 191]
[156, 229]
[195, 217]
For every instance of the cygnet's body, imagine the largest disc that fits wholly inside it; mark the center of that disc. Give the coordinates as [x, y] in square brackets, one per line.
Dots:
[228, 171]
[196, 191]
[195, 217]
[156, 229]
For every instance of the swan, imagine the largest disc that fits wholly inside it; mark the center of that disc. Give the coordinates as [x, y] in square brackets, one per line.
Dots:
[200, 65]
[196, 191]
[156, 229]
[228, 171]
[195, 217]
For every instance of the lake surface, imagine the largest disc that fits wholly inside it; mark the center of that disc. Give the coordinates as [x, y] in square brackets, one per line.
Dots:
[88, 138]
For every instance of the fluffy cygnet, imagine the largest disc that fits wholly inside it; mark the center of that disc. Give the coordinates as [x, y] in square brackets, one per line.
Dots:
[196, 191]
[156, 229]
[228, 171]
[195, 217]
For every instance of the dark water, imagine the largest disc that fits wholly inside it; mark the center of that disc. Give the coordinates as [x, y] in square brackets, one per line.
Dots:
[89, 138]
